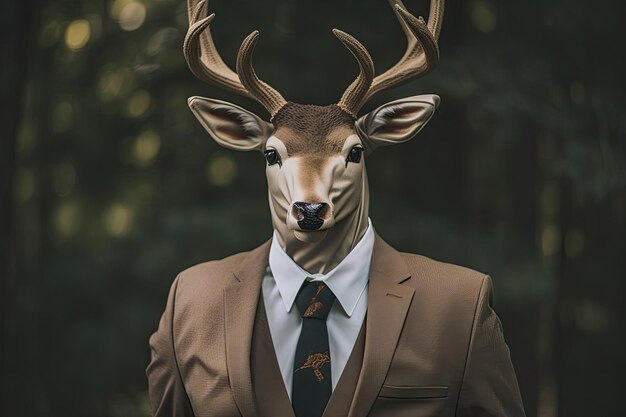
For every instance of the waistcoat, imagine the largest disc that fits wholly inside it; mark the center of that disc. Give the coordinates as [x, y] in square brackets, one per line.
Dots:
[269, 388]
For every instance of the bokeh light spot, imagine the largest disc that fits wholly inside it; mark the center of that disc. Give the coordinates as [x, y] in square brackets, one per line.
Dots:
[24, 184]
[160, 39]
[131, 15]
[592, 317]
[67, 218]
[221, 170]
[77, 34]
[483, 16]
[550, 240]
[26, 138]
[117, 220]
[138, 103]
[114, 83]
[117, 6]
[147, 146]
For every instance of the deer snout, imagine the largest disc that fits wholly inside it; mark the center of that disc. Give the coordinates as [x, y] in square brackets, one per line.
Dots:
[310, 216]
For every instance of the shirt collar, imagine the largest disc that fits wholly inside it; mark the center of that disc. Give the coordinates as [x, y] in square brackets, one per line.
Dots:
[347, 280]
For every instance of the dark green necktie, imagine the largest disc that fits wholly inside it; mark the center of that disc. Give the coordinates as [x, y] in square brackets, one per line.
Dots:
[312, 383]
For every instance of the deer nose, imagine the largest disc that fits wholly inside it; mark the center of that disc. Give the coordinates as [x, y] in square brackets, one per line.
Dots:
[310, 216]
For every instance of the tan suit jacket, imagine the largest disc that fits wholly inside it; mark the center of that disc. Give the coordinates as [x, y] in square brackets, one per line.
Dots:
[433, 345]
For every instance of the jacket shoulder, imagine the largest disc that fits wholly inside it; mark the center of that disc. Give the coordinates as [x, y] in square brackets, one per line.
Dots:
[213, 267]
[446, 280]
[206, 280]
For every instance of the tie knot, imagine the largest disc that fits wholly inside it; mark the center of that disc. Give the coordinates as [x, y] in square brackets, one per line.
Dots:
[314, 300]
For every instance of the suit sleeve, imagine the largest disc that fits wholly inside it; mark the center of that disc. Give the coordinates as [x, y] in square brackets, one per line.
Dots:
[489, 387]
[165, 386]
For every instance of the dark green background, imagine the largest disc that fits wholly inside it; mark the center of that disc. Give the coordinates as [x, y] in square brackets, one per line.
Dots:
[110, 186]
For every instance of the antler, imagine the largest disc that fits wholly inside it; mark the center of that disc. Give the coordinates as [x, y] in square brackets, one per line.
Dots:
[266, 95]
[421, 56]
[206, 63]
[354, 96]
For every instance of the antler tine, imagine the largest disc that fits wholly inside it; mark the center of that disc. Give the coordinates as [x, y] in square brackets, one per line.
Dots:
[354, 96]
[271, 99]
[435, 17]
[422, 53]
[194, 8]
[206, 63]
[202, 56]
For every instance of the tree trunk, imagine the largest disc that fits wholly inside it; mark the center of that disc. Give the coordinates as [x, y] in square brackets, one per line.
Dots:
[16, 22]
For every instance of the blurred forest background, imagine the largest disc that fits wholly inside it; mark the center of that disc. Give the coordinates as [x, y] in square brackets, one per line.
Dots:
[110, 186]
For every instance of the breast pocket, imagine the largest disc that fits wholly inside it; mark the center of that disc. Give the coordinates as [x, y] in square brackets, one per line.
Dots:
[410, 401]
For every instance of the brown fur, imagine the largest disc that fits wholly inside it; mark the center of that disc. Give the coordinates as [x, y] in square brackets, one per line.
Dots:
[306, 128]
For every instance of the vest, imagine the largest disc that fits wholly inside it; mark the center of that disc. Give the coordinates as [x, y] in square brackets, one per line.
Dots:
[269, 388]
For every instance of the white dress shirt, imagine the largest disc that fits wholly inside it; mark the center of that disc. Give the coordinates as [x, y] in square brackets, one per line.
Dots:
[348, 281]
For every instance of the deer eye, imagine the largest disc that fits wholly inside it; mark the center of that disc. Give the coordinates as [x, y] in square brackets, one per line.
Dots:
[272, 157]
[355, 155]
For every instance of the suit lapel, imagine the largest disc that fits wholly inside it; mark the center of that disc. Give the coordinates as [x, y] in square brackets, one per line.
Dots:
[240, 305]
[388, 304]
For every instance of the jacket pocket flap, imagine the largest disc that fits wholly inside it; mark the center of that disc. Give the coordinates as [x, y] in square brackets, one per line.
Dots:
[391, 391]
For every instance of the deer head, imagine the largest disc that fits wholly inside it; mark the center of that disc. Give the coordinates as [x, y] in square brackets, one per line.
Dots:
[317, 183]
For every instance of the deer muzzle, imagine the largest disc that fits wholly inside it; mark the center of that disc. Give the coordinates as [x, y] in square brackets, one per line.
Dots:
[310, 216]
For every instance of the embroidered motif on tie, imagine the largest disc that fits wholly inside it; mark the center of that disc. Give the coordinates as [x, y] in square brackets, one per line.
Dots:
[314, 304]
[315, 362]
[312, 382]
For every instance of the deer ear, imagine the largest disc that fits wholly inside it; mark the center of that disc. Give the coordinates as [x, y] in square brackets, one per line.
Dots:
[396, 122]
[231, 126]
